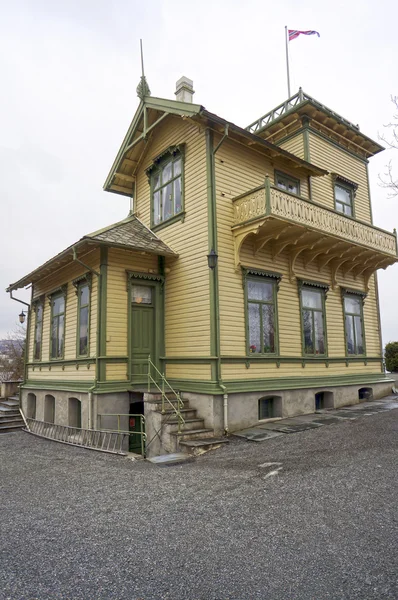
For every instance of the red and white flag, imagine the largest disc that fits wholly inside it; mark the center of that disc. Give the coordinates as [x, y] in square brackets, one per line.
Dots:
[294, 33]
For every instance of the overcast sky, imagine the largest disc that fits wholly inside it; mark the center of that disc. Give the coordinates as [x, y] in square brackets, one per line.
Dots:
[69, 71]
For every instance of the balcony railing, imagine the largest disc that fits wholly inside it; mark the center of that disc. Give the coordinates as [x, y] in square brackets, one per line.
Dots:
[269, 201]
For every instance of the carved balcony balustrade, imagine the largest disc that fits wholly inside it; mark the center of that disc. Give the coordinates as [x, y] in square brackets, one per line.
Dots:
[305, 229]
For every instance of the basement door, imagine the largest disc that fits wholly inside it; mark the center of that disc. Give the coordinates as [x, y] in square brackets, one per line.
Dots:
[142, 331]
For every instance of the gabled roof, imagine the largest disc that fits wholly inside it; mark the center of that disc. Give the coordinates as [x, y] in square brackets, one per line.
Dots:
[130, 234]
[151, 112]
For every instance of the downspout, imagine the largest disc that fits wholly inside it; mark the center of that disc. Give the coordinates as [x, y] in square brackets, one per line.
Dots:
[90, 390]
[26, 357]
[214, 274]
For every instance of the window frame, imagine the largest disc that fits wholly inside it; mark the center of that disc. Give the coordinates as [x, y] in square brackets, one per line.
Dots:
[267, 277]
[288, 178]
[171, 154]
[356, 295]
[322, 289]
[38, 303]
[351, 188]
[80, 284]
[58, 293]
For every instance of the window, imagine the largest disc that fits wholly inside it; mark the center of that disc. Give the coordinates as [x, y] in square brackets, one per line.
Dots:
[343, 196]
[38, 331]
[83, 294]
[353, 319]
[57, 325]
[313, 320]
[261, 304]
[269, 408]
[166, 186]
[49, 409]
[287, 183]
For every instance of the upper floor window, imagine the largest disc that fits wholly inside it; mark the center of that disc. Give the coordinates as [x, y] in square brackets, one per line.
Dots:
[38, 331]
[313, 320]
[83, 294]
[287, 183]
[57, 325]
[261, 314]
[344, 194]
[166, 178]
[353, 319]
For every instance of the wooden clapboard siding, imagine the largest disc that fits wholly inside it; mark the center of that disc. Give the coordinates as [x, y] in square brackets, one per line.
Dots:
[286, 370]
[191, 371]
[295, 145]
[116, 372]
[187, 308]
[59, 373]
[120, 261]
[335, 160]
[66, 275]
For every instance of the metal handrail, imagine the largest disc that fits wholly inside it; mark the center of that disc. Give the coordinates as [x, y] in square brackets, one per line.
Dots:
[141, 433]
[93, 439]
[178, 401]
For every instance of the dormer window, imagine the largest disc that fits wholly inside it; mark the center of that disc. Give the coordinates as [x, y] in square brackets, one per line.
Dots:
[287, 183]
[166, 179]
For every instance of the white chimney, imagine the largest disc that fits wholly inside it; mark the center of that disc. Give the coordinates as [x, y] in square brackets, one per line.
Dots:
[184, 89]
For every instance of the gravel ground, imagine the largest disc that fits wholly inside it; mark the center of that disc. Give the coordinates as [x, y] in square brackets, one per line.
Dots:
[77, 524]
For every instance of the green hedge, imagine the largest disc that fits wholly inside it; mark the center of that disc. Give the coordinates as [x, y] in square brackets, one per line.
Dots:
[391, 356]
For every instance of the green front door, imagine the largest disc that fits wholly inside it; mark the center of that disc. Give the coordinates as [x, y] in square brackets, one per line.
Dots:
[142, 331]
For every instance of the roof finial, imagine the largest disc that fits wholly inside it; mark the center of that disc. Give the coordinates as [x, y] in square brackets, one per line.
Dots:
[143, 87]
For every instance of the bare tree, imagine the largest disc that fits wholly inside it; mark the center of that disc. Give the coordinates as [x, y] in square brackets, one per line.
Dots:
[12, 354]
[387, 180]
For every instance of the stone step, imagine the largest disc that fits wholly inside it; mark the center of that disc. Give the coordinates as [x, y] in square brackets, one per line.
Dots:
[192, 434]
[8, 410]
[16, 419]
[10, 427]
[186, 413]
[157, 404]
[189, 425]
[170, 459]
[202, 445]
[9, 402]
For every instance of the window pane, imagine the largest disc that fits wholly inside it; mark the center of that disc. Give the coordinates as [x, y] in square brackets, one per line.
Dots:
[167, 202]
[308, 332]
[84, 294]
[141, 294]
[319, 333]
[254, 328]
[259, 290]
[166, 173]
[311, 299]
[58, 305]
[156, 181]
[156, 207]
[352, 305]
[83, 333]
[347, 210]
[177, 195]
[340, 207]
[39, 312]
[281, 184]
[292, 188]
[60, 335]
[54, 337]
[359, 335]
[177, 167]
[349, 327]
[342, 194]
[268, 328]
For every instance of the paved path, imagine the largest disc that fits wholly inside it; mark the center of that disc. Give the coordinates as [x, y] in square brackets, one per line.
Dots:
[319, 523]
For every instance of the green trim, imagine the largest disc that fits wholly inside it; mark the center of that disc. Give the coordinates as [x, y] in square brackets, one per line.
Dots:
[65, 386]
[83, 282]
[273, 279]
[175, 219]
[60, 292]
[344, 294]
[102, 313]
[34, 306]
[306, 138]
[349, 187]
[62, 362]
[369, 194]
[288, 178]
[322, 289]
[379, 318]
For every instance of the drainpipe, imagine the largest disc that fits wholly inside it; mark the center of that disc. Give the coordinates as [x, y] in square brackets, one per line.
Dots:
[27, 341]
[90, 391]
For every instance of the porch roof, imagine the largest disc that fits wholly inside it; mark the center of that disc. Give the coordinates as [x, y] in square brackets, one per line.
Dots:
[130, 234]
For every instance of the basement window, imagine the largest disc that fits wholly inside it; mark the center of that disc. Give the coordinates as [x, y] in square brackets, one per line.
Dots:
[269, 407]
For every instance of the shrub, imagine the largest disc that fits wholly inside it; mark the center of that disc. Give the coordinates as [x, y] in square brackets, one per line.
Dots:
[391, 356]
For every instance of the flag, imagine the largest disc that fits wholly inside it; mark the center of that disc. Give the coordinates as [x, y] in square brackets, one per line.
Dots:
[293, 33]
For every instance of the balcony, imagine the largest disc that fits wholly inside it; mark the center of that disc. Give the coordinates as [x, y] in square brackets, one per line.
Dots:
[303, 228]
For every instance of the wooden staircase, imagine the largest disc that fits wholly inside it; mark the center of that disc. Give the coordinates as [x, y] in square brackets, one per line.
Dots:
[10, 417]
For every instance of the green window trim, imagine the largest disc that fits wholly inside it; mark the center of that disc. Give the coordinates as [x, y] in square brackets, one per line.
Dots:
[321, 289]
[166, 178]
[83, 305]
[59, 292]
[347, 207]
[284, 182]
[38, 309]
[352, 316]
[273, 279]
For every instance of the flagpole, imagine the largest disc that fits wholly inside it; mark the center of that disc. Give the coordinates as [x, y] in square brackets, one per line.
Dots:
[287, 62]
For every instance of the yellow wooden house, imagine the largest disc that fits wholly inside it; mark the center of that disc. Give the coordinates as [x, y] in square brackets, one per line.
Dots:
[246, 270]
